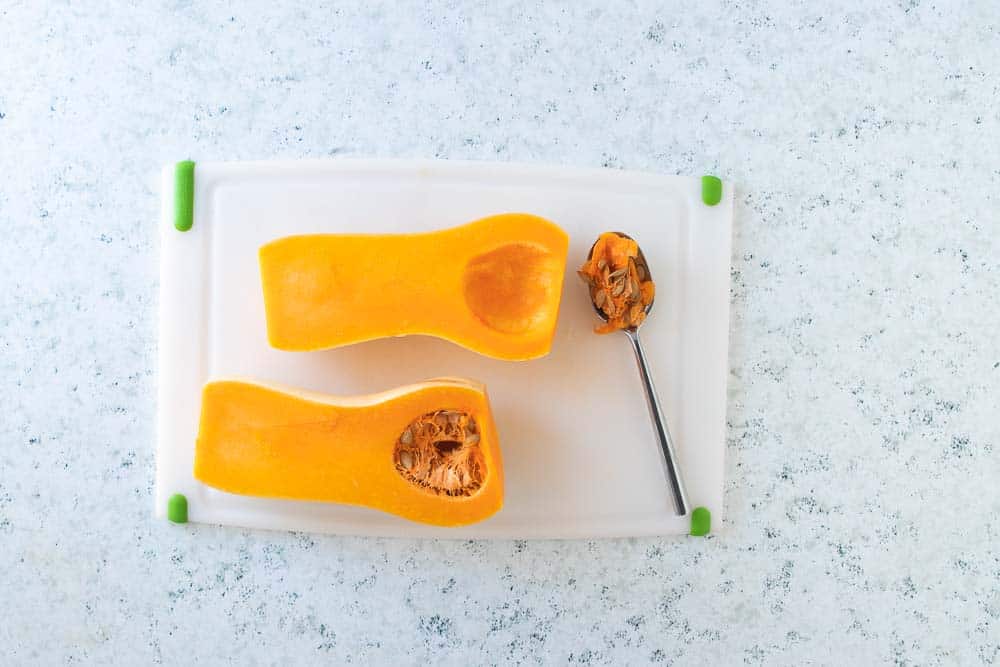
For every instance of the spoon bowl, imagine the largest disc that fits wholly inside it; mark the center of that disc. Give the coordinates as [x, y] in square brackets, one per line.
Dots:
[640, 261]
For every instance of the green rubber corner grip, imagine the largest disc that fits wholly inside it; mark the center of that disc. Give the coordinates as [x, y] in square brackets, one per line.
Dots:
[711, 190]
[184, 195]
[701, 522]
[177, 508]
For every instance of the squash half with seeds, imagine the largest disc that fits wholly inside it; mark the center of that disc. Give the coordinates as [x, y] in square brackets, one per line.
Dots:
[427, 452]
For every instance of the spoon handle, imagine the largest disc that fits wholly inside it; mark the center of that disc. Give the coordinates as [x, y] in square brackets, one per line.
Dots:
[660, 426]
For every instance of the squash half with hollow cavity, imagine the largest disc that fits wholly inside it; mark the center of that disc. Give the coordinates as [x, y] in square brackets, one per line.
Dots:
[427, 452]
[492, 286]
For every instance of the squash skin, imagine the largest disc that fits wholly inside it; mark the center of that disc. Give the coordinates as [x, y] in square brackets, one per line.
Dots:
[266, 440]
[492, 286]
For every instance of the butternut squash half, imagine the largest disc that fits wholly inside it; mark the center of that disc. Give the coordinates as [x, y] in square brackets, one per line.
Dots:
[427, 452]
[492, 286]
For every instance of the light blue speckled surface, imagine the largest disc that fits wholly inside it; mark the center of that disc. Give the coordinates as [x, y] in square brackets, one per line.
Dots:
[863, 430]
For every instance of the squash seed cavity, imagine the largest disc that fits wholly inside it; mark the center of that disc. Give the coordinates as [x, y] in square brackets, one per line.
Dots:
[513, 289]
[440, 453]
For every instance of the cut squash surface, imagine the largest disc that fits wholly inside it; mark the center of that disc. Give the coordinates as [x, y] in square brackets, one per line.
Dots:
[492, 286]
[427, 452]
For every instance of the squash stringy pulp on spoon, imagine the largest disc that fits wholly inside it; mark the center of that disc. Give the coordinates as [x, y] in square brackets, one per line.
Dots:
[619, 282]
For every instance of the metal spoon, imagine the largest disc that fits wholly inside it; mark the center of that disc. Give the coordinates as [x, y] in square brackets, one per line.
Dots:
[670, 468]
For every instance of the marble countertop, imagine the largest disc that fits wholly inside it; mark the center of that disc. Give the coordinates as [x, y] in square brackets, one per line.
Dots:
[863, 514]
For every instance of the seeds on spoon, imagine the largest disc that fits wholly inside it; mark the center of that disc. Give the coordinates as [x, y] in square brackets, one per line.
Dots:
[618, 280]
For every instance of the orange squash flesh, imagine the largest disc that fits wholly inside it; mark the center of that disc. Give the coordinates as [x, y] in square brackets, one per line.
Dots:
[492, 286]
[269, 441]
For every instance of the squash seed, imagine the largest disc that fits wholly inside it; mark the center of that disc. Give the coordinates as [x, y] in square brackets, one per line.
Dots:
[407, 437]
[406, 459]
[618, 289]
[472, 439]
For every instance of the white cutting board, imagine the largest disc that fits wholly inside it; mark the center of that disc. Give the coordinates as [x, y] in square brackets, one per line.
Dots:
[580, 459]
